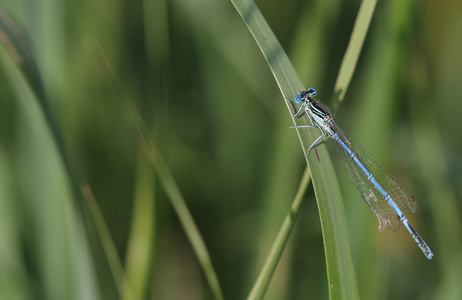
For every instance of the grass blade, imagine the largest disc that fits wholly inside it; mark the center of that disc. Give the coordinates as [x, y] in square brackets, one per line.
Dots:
[63, 265]
[140, 250]
[264, 277]
[134, 120]
[340, 269]
[115, 265]
[354, 49]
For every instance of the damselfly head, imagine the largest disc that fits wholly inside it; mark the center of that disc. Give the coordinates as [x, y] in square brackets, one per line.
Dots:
[302, 96]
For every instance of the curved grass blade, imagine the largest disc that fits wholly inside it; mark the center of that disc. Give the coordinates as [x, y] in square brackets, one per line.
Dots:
[135, 121]
[264, 277]
[17, 56]
[117, 270]
[354, 49]
[340, 269]
[19, 49]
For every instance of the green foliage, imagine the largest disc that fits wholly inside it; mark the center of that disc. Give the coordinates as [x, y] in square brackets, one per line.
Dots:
[170, 174]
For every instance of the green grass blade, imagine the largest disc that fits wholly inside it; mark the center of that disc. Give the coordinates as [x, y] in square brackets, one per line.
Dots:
[186, 219]
[115, 265]
[140, 250]
[264, 277]
[134, 120]
[340, 269]
[21, 52]
[353, 51]
[63, 265]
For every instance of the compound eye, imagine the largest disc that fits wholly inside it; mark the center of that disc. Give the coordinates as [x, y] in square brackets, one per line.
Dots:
[298, 98]
[312, 92]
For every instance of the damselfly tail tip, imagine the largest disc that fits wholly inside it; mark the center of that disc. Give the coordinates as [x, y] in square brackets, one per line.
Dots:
[428, 253]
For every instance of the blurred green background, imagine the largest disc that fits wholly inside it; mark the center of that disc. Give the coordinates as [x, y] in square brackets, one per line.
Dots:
[215, 113]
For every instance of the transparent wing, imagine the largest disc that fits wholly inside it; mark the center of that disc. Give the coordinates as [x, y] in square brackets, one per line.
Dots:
[371, 195]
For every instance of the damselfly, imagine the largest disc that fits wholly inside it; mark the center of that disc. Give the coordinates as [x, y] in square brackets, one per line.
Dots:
[386, 196]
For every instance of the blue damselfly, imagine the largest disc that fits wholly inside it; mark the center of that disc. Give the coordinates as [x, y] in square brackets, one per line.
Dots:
[386, 196]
